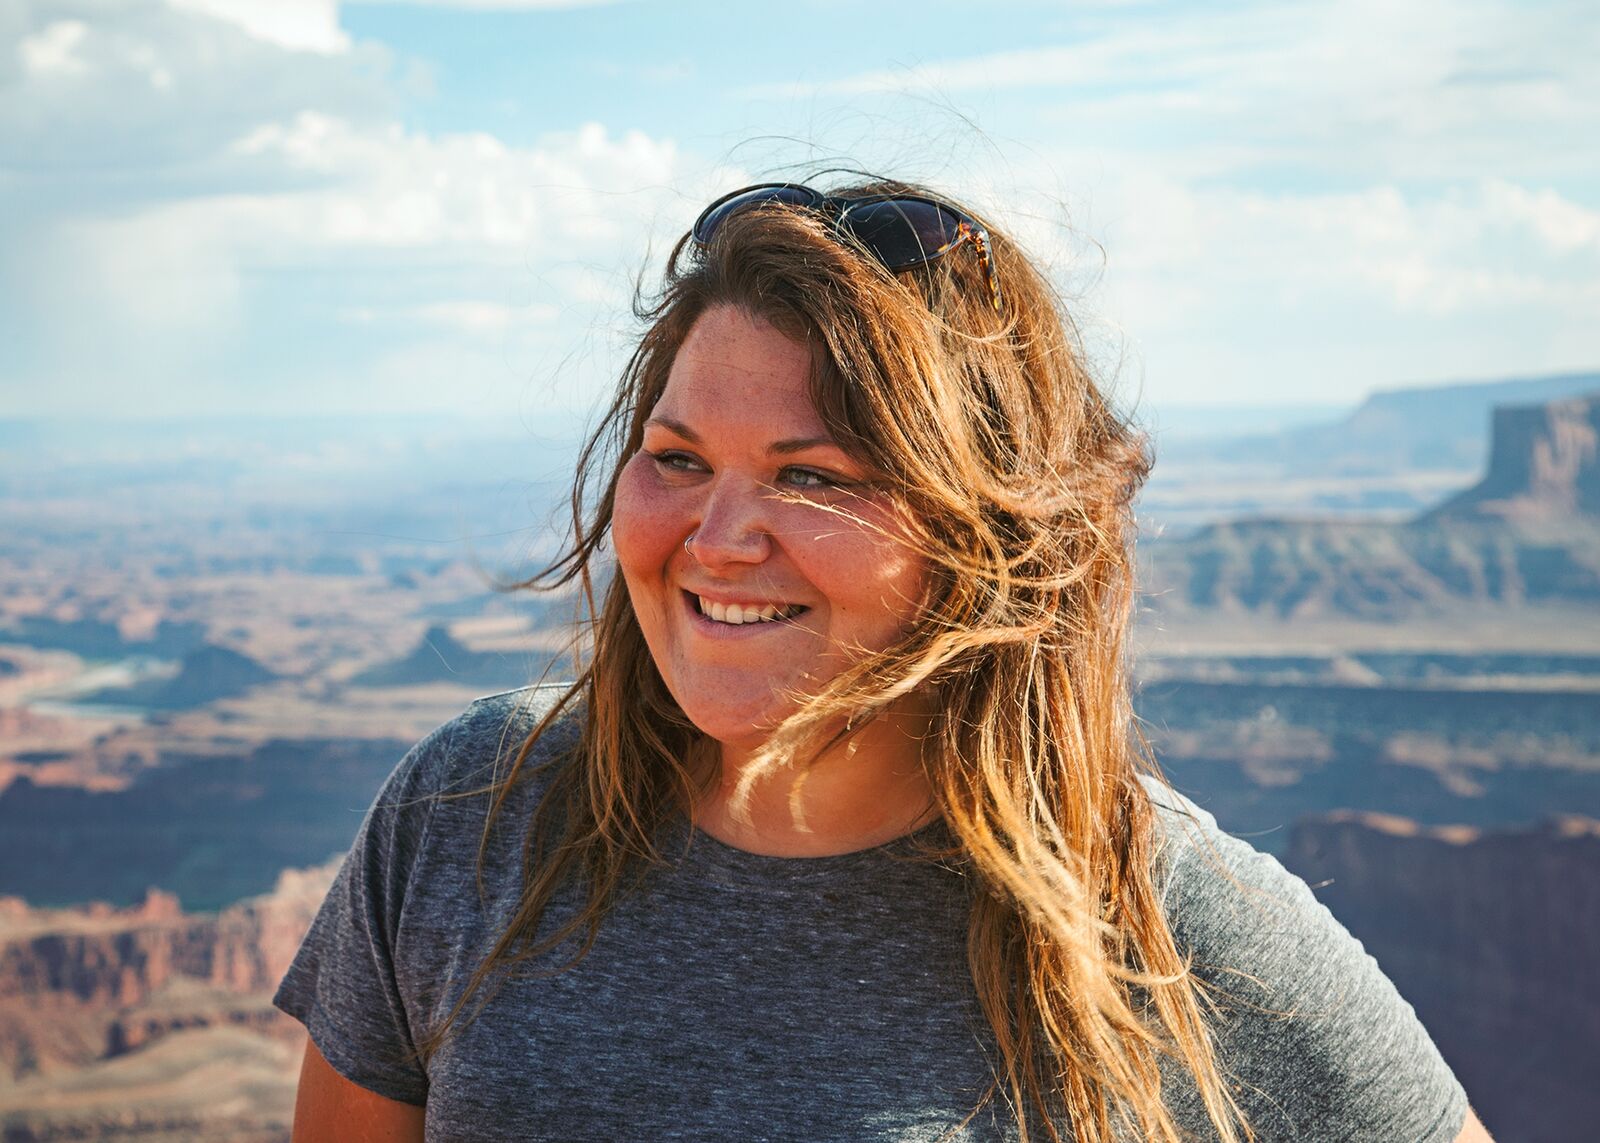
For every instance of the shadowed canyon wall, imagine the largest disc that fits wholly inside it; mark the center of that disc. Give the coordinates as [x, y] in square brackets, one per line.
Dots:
[1493, 938]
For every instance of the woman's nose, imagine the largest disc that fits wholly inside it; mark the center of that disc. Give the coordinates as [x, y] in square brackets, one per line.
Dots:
[733, 528]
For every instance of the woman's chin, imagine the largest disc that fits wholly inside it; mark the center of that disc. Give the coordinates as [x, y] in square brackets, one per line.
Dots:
[738, 737]
[741, 727]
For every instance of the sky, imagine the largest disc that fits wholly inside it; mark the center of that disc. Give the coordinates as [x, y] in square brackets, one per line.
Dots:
[254, 207]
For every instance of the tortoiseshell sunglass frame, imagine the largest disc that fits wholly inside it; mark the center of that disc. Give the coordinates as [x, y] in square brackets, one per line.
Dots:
[839, 209]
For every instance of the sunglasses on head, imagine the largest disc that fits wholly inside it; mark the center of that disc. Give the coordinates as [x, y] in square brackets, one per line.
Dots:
[899, 230]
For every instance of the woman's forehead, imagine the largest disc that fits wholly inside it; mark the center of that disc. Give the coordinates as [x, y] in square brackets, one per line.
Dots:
[730, 337]
[701, 414]
[733, 366]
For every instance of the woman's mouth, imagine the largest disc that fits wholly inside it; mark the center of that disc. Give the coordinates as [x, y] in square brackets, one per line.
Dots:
[739, 614]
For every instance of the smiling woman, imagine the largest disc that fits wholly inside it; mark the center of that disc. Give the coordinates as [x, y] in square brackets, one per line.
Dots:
[843, 831]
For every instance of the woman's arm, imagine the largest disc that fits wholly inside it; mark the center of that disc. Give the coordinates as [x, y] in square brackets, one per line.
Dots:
[1472, 1131]
[330, 1109]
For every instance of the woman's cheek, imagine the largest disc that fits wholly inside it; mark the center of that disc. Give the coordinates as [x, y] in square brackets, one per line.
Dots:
[642, 520]
[627, 515]
[863, 553]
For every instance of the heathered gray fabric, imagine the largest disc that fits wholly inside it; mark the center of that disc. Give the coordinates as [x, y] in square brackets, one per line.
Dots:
[742, 997]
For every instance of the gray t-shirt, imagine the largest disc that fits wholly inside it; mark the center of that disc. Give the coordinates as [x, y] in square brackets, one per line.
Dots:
[741, 997]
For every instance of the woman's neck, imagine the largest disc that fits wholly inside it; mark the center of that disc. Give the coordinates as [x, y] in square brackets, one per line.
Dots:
[864, 791]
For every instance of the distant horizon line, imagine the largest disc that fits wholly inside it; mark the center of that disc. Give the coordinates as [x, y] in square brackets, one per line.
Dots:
[454, 416]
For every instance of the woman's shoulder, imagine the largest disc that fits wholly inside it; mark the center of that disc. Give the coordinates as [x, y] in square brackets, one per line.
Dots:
[453, 772]
[478, 746]
[1316, 1036]
[1232, 905]
[386, 937]
[1199, 864]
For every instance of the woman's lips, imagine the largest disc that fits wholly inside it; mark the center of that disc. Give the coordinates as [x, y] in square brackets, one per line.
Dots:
[746, 613]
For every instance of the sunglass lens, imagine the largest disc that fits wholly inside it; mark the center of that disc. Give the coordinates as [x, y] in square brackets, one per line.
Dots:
[903, 232]
[719, 212]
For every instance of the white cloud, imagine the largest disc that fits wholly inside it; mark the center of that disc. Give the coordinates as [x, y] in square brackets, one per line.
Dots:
[313, 25]
[494, 5]
[1210, 292]
[1564, 227]
[484, 317]
[1477, 250]
[220, 191]
[53, 49]
[394, 226]
[1462, 251]
[300, 25]
[138, 100]
[467, 193]
[1351, 194]
[1345, 88]
[188, 189]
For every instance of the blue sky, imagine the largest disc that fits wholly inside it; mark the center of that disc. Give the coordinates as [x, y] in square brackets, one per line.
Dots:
[285, 206]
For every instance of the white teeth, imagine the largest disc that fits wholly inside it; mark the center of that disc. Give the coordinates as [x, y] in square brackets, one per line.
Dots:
[737, 615]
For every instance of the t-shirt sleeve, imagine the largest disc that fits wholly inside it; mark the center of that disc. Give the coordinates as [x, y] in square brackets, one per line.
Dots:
[1319, 1043]
[342, 983]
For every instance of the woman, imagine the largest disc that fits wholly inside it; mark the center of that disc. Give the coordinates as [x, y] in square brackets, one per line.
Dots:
[843, 831]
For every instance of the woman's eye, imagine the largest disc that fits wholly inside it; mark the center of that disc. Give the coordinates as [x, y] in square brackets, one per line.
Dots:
[808, 478]
[675, 461]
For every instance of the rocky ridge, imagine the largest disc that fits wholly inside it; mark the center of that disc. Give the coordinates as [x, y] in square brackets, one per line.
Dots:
[1544, 461]
[206, 674]
[439, 657]
[1527, 533]
[108, 1016]
[142, 971]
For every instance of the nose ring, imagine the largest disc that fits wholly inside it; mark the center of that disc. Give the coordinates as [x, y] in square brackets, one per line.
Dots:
[687, 540]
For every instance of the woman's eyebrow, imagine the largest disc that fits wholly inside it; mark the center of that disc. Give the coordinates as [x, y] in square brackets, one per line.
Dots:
[673, 426]
[785, 447]
[802, 444]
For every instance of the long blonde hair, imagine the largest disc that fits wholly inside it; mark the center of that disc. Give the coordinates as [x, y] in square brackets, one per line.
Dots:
[1018, 476]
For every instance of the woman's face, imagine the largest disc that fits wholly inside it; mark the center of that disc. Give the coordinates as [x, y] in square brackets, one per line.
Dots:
[736, 461]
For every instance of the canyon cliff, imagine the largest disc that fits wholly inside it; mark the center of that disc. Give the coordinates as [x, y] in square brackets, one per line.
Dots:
[1527, 533]
[108, 1015]
[212, 827]
[1491, 937]
[1544, 460]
